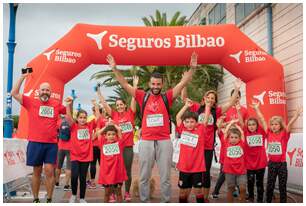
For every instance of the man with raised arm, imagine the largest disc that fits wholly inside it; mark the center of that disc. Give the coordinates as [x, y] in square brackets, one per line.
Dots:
[43, 114]
[155, 141]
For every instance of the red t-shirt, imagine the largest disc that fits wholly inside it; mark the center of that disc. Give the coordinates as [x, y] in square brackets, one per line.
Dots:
[231, 113]
[43, 118]
[62, 144]
[100, 124]
[222, 150]
[210, 128]
[234, 162]
[191, 158]
[255, 151]
[81, 142]
[155, 121]
[277, 145]
[126, 122]
[112, 169]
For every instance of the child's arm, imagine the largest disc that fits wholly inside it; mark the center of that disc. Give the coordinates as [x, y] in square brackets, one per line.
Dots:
[119, 131]
[69, 118]
[229, 126]
[107, 108]
[100, 131]
[207, 112]
[179, 115]
[220, 121]
[297, 113]
[260, 116]
[97, 111]
[133, 101]
[242, 133]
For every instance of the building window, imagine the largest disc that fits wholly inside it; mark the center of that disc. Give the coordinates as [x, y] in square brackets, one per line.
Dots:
[243, 10]
[217, 15]
[203, 21]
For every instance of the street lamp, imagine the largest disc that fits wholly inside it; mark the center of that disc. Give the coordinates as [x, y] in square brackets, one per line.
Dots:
[8, 121]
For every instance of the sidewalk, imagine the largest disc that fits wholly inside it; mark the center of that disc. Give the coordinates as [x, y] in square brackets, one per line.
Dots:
[96, 195]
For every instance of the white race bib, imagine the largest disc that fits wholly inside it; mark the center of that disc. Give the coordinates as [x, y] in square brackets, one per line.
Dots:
[45, 111]
[155, 120]
[234, 152]
[210, 119]
[254, 140]
[275, 148]
[126, 127]
[83, 134]
[111, 149]
[189, 139]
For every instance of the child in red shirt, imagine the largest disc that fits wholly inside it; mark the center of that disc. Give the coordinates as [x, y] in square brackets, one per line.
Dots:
[234, 164]
[278, 135]
[191, 162]
[81, 150]
[112, 170]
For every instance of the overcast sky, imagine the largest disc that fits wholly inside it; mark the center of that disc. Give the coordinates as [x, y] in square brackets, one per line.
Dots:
[38, 26]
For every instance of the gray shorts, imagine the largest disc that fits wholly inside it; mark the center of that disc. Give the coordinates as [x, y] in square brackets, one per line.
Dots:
[61, 154]
[233, 180]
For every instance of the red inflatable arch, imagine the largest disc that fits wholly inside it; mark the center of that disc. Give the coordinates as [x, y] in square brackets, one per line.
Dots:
[219, 44]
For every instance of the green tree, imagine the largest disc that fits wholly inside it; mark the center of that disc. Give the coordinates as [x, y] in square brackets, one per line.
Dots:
[205, 78]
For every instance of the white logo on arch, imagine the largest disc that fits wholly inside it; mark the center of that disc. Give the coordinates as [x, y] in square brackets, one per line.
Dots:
[260, 97]
[97, 38]
[48, 54]
[236, 56]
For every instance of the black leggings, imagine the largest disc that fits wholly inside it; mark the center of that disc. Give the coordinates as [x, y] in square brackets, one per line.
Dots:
[79, 171]
[208, 161]
[259, 176]
[277, 169]
[93, 164]
[220, 181]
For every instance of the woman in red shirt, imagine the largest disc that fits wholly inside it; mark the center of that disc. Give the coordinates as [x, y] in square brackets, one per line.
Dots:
[112, 170]
[81, 151]
[278, 135]
[125, 119]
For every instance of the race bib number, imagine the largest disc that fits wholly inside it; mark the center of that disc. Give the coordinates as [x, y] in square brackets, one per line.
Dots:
[83, 134]
[275, 148]
[45, 111]
[254, 140]
[126, 127]
[111, 149]
[210, 119]
[234, 152]
[189, 139]
[155, 120]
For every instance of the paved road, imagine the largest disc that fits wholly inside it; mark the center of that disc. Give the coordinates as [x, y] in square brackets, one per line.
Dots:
[96, 195]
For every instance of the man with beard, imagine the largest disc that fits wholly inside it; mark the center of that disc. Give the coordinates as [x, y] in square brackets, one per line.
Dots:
[43, 114]
[155, 141]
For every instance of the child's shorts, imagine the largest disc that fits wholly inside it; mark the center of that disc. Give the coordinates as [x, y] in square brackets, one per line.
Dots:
[189, 180]
[233, 180]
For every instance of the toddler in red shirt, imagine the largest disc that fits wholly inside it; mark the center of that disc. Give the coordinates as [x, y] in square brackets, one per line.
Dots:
[112, 169]
[278, 135]
[191, 162]
[234, 163]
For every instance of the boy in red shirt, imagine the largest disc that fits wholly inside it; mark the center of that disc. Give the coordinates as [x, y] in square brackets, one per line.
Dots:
[112, 170]
[191, 158]
[234, 164]
[278, 135]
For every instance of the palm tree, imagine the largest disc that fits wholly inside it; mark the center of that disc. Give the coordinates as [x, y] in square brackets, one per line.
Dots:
[205, 78]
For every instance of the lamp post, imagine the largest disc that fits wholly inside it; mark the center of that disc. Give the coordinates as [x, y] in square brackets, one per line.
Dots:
[8, 121]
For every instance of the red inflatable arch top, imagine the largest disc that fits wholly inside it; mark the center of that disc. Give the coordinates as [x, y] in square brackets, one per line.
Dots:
[219, 44]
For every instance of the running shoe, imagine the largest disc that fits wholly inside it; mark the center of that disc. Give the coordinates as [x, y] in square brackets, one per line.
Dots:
[112, 198]
[127, 197]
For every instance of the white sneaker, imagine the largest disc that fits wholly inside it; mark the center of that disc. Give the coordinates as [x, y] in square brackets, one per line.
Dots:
[83, 201]
[72, 199]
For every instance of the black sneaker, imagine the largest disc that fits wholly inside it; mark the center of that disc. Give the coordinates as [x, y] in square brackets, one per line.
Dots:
[49, 200]
[57, 185]
[67, 188]
[36, 201]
